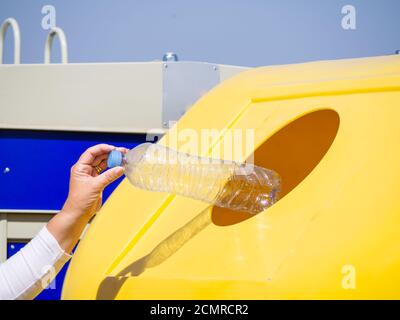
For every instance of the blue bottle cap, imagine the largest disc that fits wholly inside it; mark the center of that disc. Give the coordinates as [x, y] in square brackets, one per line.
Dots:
[114, 159]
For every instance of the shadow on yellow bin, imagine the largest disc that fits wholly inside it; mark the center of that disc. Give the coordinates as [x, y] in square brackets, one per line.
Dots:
[331, 130]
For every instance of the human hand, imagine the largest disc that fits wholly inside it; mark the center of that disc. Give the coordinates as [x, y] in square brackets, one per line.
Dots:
[86, 184]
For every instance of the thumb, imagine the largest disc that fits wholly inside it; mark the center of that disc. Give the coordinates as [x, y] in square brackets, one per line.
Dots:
[109, 176]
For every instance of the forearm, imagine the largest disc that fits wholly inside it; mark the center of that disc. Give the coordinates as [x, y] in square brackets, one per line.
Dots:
[67, 227]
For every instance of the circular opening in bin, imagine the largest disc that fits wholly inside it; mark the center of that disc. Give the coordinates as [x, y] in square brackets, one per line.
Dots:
[293, 152]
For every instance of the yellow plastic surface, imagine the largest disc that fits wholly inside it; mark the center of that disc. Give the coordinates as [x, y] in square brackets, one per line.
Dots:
[332, 130]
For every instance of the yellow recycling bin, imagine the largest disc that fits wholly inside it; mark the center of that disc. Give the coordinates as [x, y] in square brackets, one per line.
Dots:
[331, 130]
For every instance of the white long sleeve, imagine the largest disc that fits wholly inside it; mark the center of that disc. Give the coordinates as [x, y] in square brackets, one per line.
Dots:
[25, 273]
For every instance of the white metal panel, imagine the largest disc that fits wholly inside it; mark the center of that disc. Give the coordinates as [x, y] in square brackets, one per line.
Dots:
[183, 84]
[106, 97]
[25, 226]
[227, 71]
[29, 211]
[3, 237]
[112, 97]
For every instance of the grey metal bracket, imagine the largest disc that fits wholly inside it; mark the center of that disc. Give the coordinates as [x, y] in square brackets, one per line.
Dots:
[183, 84]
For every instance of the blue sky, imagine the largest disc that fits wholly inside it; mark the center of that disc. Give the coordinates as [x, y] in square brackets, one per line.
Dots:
[239, 32]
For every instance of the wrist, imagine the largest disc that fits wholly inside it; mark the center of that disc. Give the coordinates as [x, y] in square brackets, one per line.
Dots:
[73, 215]
[67, 227]
[72, 210]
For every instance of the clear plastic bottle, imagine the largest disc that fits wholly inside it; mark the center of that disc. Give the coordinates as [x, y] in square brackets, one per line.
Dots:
[228, 184]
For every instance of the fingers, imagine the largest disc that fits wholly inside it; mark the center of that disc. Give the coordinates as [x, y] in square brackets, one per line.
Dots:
[102, 165]
[90, 155]
[122, 149]
[96, 156]
[99, 159]
[109, 176]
